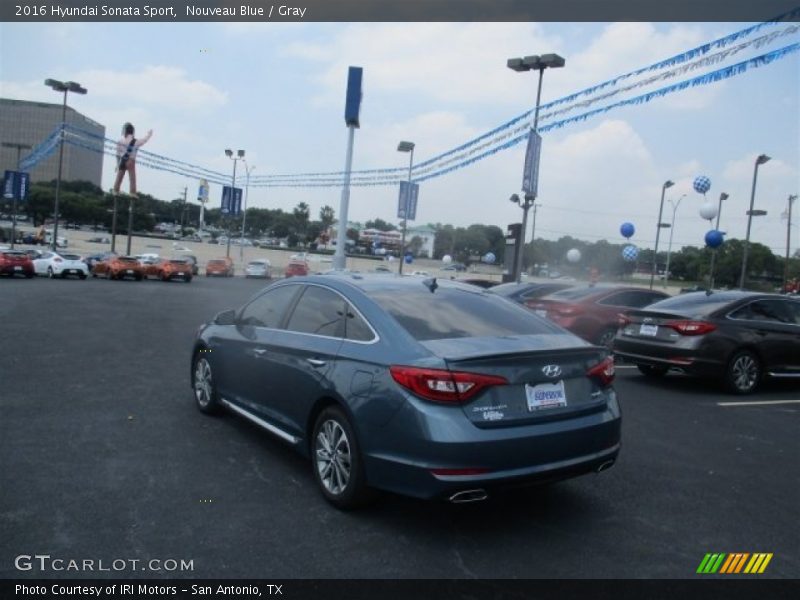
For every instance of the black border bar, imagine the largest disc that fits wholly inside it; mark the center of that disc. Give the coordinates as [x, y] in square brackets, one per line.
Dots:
[393, 10]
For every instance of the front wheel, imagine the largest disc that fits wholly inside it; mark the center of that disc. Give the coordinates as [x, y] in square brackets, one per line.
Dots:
[50, 273]
[652, 370]
[743, 373]
[204, 386]
[337, 464]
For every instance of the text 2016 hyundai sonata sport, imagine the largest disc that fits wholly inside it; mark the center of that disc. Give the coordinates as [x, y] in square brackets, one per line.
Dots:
[421, 387]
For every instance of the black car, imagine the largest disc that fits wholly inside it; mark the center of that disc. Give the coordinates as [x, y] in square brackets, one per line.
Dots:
[520, 292]
[734, 337]
[93, 259]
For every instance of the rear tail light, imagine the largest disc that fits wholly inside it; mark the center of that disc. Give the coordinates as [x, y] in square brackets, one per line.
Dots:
[439, 385]
[691, 327]
[58, 260]
[623, 320]
[564, 311]
[603, 372]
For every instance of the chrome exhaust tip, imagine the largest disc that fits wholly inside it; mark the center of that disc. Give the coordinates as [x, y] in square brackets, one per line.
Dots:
[606, 465]
[468, 496]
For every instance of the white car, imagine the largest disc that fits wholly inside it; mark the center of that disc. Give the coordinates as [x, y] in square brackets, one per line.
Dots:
[54, 264]
[61, 242]
[258, 268]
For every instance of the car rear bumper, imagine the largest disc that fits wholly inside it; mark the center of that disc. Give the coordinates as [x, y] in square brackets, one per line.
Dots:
[687, 360]
[440, 462]
[12, 270]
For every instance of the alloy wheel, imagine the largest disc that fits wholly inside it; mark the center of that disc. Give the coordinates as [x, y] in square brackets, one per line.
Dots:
[333, 458]
[203, 383]
[744, 372]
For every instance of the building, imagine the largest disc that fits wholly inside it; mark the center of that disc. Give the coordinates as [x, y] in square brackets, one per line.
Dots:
[426, 234]
[30, 123]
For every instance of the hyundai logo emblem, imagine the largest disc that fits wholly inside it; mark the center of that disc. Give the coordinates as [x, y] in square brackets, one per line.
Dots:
[551, 370]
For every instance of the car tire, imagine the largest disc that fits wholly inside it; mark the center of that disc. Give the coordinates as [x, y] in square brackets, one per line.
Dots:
[743, 372]
[29, 275]
[82, 275]
[50, 273]
[204, 387]
[335, 455]
[606, 338]
[188, 280]
[652, 370]
[94, 275]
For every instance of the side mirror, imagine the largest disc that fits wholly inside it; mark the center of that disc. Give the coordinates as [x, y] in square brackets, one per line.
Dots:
[226, 317]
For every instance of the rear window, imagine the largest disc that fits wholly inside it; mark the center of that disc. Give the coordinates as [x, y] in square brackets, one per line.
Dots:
[506, 289]
[178, 262]
[575, 293]
[14, 254]
[698, 303]
[127, 259]
[456, 313]
[216, 263]
[71, 256]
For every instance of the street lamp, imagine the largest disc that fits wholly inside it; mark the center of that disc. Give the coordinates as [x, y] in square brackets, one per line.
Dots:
[526, 205]
[75, 88]
[722, 196]
[19, 148]
[667, 184]
[760, 160]
[532, 63]
[675, 206]
[232, 204]
[248, 169]
[406, 147]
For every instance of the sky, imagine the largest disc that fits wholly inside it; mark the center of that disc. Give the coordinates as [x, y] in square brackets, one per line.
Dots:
[277, 91]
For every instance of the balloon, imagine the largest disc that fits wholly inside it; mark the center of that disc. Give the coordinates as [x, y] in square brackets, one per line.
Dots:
[489, 258]
[447, 259]
[630, 253]
[574, 255]
[627, 230]
[409, 259]
[391, 258]
[701, 184]
[714, 238]
[708, 211]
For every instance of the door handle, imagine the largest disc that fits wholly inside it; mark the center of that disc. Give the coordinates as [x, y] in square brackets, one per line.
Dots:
[259, 351]
[315, 362]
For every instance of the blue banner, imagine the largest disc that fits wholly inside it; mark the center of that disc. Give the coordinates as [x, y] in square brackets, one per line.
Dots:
[231, 206]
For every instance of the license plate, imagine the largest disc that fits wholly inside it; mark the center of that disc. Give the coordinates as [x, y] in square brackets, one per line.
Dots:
[129, 272]
[648, 330]
[18, 268]
[545, 395]
[181, 273]
[541, 313]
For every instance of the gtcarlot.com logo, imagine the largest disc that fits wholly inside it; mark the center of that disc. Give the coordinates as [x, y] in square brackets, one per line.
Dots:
[45, 562]
[735, 563]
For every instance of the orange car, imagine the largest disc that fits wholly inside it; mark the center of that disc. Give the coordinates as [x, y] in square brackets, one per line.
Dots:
[119, 267]
[220, 266]
[296, 268]
[172, 268]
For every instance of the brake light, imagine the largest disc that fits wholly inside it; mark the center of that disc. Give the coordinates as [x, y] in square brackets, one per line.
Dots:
[691, 327]
[564, 311]
[603, 372]
[439, 385]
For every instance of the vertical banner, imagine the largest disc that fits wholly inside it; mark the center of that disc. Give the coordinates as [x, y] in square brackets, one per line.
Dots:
[530, 177]
[407, 202]
[202, 191]
[9, 181]
[231, 203]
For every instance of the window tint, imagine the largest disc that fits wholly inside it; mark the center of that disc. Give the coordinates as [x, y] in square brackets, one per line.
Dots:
[632, 299]
[577, 293]
[355, 328]
[794, 310]
[269, 308]
[456, 313]
[320, 312]
[71, 256]
[772, 311]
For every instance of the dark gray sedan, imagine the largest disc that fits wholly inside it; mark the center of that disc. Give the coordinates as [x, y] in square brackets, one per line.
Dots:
[421, 387]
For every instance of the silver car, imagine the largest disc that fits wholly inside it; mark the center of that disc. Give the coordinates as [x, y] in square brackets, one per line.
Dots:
[258, 268]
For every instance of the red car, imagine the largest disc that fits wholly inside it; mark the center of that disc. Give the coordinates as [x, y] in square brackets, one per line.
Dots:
[296, 268]
[119, 267]
[592, 312]
[14, 262]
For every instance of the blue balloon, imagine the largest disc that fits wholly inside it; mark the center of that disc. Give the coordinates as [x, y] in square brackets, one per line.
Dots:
[630, 253]
[701, 184]
[489, 258]
[627, 230]
[714, 238]
[409, 259]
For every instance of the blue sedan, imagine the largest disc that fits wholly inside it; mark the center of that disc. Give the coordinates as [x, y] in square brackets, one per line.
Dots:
[423, 387]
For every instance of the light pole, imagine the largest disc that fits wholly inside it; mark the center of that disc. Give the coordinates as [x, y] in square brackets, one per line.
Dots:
[526, 205]
[722, 196]
[760, 160]
[232, 204]
[61, 86]
[248, 169]
[788, 241]
[20, 148]
[529, 63]
[675, 206]
[406, 147]
[667, 184]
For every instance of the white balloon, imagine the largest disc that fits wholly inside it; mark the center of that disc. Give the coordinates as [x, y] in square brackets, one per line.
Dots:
[574, 255]
[447, 259]
[708, 211]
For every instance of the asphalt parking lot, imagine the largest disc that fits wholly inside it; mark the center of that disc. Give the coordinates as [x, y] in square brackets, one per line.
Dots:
[104, 456]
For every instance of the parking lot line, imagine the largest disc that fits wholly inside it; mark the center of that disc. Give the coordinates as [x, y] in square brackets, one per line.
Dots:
[758, 402]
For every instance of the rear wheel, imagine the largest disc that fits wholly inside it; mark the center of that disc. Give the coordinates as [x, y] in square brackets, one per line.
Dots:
[204, 386]
[606, 338]
[337, 464]
[652, 370]
[743, 373]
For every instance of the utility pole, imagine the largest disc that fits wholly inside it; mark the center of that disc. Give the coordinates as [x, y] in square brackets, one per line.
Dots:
[183, 211]
[788, 240]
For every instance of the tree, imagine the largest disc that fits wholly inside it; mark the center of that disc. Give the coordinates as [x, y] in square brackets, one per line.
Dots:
[301, 214]
[415, 245]
[380, 225]
[326, 217]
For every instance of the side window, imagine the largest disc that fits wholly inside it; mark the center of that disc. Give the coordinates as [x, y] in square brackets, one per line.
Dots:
[775, 311]
[269, 308]
[794, 310]
[320, 312]
[355, 328]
